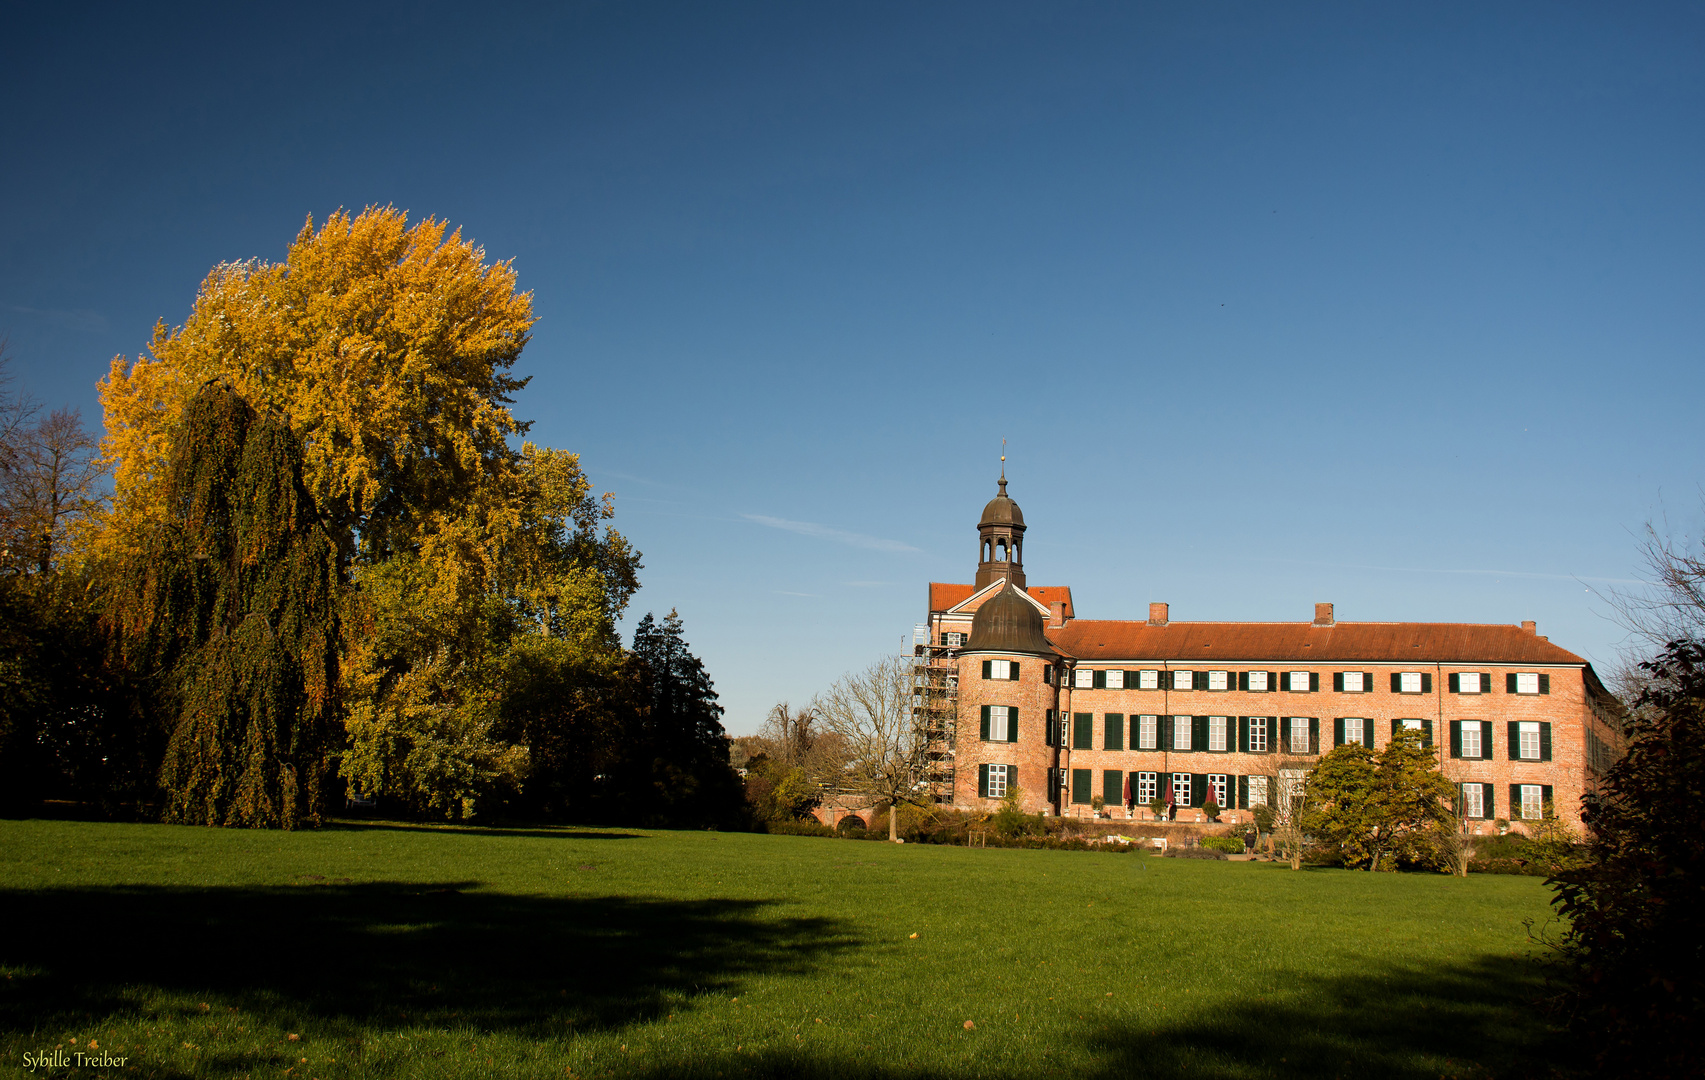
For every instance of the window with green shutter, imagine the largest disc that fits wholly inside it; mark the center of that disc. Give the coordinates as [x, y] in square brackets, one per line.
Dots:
[1112, 786]
[1113, 731]
[1083, 731]
[1081, 781]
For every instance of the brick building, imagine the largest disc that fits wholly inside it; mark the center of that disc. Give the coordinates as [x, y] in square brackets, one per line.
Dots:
[1069, 709]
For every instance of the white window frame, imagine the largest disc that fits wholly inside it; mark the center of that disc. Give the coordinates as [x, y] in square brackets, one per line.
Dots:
[1297, 729]
[1361, 683]
[1354, 735]
[1257, 791]
[1410, 724]
[1000, 669]
[1148, 733]
[1000, 716]
[1148, 680]
[1527, 682]
[1526, 730]
[955, 639]
[1217, 789]
[1258, 734]
[1474, 805]
[1188, 676]
[997, 781]
[1115, 674]
[1217, 726]
[1532, 797]
[1291, 678]
[1182, 731]
[1409, 682]
[1181, 783]
[1083, 679]
[1148, 787]
[1217, 680]
[1261, 677]
[1467, 727]
[1462, 678]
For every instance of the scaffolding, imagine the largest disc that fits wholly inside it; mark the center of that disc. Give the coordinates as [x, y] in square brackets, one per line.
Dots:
[935, 710]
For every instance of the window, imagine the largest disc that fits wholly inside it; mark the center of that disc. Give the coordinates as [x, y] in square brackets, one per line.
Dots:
[997, 781]
[1353, 726]
[1148, 680]
[1217, 680]
[1081, 779]
[1113, 731]
[1148, 733]
[1083, 679]
[1083, 731]
[1051, 729]
[1115, 680]
[1529, 740]
[1299, 735]
[1257, 791]
[1527, 682]
[1471, 739]
[1148, 786]
[1292, 784]
[998, 715]
[1216, 735]
[1216, 788]
[1298, 682]
[1532, 802]
[952, 640]
[1000, 669]
[1408, 682]
[1473, 802]
[1181, 732]
[1112, 787]
[1183, 680]
[1257, 734]
[1181, 789]
[1470, 682]
[1257, 680]
[1353, 683]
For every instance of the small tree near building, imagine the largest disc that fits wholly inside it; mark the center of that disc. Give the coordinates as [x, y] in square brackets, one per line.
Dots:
[871, 711]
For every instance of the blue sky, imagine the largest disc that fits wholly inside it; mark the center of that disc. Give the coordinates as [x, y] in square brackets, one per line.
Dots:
[1394, 306]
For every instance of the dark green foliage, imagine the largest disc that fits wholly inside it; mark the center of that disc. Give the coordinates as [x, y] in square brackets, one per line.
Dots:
[1636, 991]
[231, 604]
[1231, 845]
[852, 823]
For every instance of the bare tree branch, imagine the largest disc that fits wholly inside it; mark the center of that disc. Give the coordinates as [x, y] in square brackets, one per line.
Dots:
[871, 711]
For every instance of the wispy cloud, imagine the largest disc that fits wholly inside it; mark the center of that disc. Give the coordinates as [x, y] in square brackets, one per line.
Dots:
[92, 321]
[827, 532]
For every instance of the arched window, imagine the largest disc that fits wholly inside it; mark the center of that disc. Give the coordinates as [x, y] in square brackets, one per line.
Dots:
[1000, 551]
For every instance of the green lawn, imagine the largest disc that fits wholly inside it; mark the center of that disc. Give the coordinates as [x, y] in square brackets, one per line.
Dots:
[405, 951]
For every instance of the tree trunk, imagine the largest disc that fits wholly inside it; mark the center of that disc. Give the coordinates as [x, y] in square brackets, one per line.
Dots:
[893, 822]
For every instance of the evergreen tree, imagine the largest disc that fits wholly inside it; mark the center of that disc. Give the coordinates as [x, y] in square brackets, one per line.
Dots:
[231, 603]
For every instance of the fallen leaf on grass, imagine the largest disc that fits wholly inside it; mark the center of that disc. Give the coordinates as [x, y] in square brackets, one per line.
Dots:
[969, 1025]
[914, 935]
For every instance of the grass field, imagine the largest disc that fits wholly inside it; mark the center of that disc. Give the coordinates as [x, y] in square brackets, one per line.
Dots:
[407, 951]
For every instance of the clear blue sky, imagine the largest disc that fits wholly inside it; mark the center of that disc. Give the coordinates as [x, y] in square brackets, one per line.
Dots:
[1397, 306]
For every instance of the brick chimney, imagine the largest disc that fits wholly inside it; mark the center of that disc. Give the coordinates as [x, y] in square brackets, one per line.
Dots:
[1530, 626]
[1157, 614]
[1056, 614]
[1323, 614]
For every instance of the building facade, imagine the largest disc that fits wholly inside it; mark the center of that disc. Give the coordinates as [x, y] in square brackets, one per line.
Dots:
[1087, 716]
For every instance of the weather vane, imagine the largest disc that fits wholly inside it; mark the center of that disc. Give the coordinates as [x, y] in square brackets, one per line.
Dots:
[1003, 459]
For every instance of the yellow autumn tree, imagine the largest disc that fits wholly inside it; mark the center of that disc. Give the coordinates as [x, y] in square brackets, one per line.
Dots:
[388, 349]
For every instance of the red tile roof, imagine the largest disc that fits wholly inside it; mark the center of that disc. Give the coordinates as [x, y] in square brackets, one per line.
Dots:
[943, 596]
[1231, 642]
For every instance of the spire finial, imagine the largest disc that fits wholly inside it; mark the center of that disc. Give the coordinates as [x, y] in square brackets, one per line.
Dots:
[1003, 466]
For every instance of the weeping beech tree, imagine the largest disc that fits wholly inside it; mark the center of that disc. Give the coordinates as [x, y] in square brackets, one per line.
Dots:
[232, 604]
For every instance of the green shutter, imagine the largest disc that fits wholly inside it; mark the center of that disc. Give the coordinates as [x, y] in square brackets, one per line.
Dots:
[1396, 683]
[1083, 731]
[1515, 741]
[1198, 733]
[1545, 684]
[1314, 734]
[1163, 732]
[1011, 778]
[1515, 800]
[1112, 787]
[1545, 742]
[1367, 682]
[1242, 793]
[1012, 671]
[1080, 786]
[1488, 801]
[982, 781]
[1545, 798]
[1198, 789]
[1313, 682]
[985, 729]
[1338, 731]
[1113, 731]
[1426, 682]
[1367, 732]
[1510, 683]
[1455, 683]
[1456, 738]
[1338, 682]
[1427, 733]
[1487, 750]
[1098, 680]
[987, 665]
[1012, 724]
[1243, 680]
[1243, 734]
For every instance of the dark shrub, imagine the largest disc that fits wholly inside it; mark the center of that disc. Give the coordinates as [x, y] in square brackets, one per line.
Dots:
[1231, 845]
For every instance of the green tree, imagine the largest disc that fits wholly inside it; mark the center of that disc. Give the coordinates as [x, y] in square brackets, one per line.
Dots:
[1635, 992]
[1345, 809]
[1371, 808]
[231, 601]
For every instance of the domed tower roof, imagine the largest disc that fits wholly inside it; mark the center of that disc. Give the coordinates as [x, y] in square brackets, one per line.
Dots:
[1008, 622]
[1002, 510]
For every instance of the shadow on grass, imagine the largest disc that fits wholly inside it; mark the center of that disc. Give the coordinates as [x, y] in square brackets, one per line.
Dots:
[380, 956]
[563, 832]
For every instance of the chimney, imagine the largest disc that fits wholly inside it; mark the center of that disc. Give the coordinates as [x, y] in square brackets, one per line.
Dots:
[1323, 614]
[1530, 626]
[1157, 614]
[1056, 614]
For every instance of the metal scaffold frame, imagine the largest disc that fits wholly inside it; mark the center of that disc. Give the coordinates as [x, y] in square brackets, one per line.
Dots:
[935, 710]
